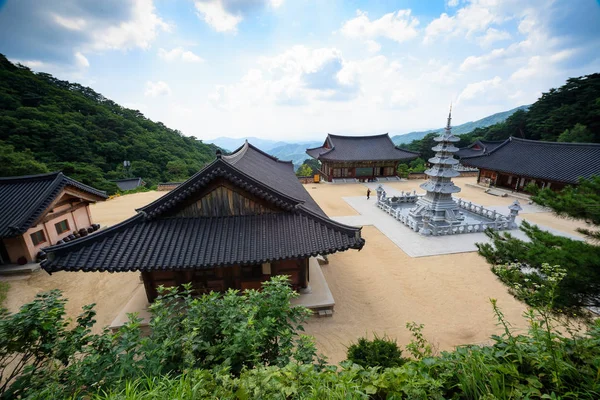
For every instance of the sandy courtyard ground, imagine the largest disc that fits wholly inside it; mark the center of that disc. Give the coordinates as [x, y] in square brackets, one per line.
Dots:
[377, 290]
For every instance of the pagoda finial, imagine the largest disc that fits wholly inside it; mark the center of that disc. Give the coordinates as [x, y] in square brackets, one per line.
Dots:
[449, 116]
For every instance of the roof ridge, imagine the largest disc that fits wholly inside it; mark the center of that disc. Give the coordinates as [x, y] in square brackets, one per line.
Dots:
[30, 177]
[42, 199]
[360, 136]
[546, 142]
[328, 221]
[182, 190]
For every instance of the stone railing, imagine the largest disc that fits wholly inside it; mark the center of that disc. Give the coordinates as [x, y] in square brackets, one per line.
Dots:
[480, 210]
[497, 221]
[469, 228]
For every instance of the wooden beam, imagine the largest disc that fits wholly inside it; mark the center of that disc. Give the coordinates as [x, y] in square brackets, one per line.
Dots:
[51, 216]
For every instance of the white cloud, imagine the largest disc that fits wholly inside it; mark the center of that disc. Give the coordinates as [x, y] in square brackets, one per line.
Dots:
[372, 46]
[73, 24]
[479, 89]
[139, 31]
[474, 17]
[452, 3]
[179, 54]
[214, 14]
[399, 26]
[491, 36]
[484, 61]
[225, 15]
[294, 77]
[81, 61]
[529, 71]
[158, 88]
[402, 99]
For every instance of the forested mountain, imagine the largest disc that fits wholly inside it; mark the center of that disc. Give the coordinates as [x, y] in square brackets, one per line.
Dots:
[460, 129]
[570, 113]
[47, 124]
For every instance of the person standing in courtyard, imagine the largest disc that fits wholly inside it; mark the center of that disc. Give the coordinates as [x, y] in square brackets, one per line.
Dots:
[368, 193]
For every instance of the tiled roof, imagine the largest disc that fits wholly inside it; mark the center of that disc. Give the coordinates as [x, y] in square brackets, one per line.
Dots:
[182, 243]
[478, 148]
[273, 172]
[554, 161]
[360, 148]
[158, 239]
[129, 183]
[24, 199]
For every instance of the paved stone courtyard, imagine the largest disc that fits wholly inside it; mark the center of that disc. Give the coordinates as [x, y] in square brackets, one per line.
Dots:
[416, 245]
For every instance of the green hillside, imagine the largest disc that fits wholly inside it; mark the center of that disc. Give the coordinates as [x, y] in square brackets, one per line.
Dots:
[570, 113]
[47, 124]
[460, 129]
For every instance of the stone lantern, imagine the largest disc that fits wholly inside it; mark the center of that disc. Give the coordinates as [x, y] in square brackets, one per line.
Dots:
[426, 228]
[379, 191]
[514, 208]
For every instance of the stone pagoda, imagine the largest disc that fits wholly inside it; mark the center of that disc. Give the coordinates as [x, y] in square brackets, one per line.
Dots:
[437, 207]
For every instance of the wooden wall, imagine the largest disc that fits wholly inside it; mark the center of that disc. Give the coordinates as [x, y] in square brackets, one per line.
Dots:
[232, 277]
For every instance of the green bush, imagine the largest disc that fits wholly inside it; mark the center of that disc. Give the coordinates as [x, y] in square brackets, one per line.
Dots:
[379, 352]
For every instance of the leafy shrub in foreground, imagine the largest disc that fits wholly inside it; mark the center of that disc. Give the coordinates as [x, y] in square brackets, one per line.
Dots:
[379, 352]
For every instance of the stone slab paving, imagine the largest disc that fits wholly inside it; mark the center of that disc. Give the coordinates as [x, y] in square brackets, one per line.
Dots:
[412, 243]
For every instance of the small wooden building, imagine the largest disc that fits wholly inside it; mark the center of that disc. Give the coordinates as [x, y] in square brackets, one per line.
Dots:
[241, 219]
[129, 183]
[517, 162]
[37, 211]
[478, 148]
[359, 157]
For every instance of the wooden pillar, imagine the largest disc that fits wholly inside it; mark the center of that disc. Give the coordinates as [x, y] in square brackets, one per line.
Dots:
[150, 292]
[303, 264]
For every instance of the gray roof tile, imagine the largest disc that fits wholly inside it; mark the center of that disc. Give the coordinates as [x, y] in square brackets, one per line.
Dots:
[360, 148]
[554, 161]
[24, 199]
[157, 239]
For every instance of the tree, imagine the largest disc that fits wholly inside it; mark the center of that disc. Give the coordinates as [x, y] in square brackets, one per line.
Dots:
[581, 286]
[402, 170]
[57, 123]
[578, 134]
[580, 202]
[14, 163]
[313, 164]
[304, 170]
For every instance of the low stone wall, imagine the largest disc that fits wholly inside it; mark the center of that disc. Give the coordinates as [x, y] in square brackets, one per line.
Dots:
[306, 179]
[422, 175]
[468, 173]
[167, 186]
[417, 175]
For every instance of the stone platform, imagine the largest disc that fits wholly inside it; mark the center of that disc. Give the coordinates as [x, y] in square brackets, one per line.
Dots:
[15, 269]
[414, 244]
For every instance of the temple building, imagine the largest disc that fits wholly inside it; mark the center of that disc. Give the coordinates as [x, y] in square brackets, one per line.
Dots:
[517, 162]
[239, 220]
[37, 211]
[362, 158]
[478, 148]
[129, 183]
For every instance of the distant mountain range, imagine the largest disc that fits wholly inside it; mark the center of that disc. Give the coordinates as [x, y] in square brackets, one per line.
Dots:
[460, 129]
[296, 151]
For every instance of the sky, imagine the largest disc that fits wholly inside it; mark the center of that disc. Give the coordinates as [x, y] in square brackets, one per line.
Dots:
[299, 69]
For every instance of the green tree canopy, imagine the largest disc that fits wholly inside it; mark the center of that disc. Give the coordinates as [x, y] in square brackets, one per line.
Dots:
[48, 124]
